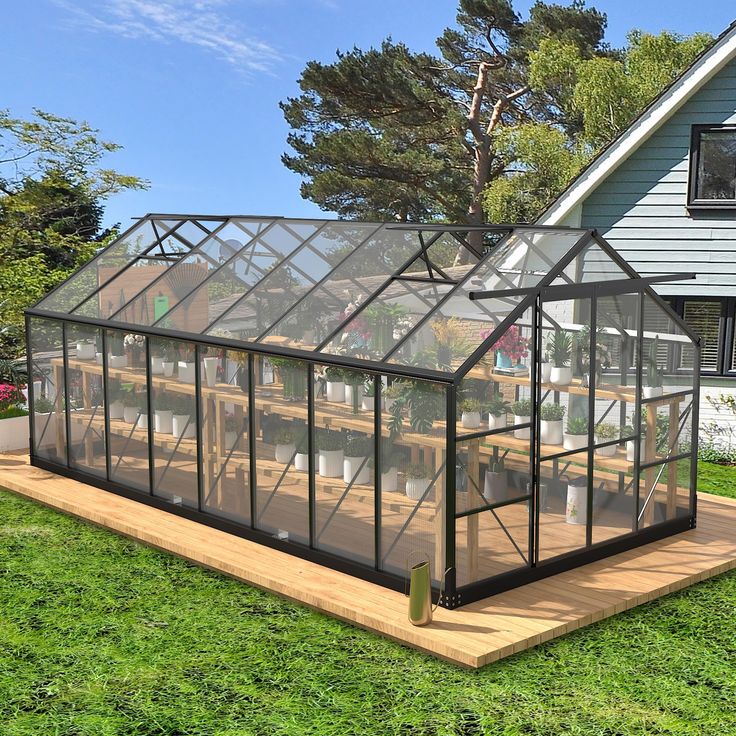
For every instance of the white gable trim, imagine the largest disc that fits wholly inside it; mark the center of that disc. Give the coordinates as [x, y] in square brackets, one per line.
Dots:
[702, 71]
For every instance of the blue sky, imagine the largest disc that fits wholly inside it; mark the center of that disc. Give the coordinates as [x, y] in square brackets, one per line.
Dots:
[191, 88]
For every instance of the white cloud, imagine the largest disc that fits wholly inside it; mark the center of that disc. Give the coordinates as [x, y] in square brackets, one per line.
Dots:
[201, 23]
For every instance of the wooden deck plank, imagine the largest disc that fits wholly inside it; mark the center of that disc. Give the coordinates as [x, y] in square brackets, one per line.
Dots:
[472, 636]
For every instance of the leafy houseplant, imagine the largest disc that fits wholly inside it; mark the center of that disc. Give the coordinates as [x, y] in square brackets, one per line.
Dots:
[424, 401]
[511, 348]
[653, 385]
[497, 408]
[355, 463]
[293, 377]
[559, 348]
[550, 424]
[331, 456]
[183, 421]
[284, 441]
[522, 415]
[301, 459]
[470, 417]
[335, 384]
[368, 401]
[384, 322]
[418, 478]
[576, 436]
[354, 382]
[605, 432]
[495, 488]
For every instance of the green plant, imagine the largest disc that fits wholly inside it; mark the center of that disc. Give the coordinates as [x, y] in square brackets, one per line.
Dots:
[354, 378]
[370, 388]
[418, 471]
[358, 445]
[13, 411]
[329, 440]
[283, 436]
[497, 405]
[42, 405]
[181, 405]
[394, 391]
[334, 374]
[559, 347]
[607, 431]
[577, 425]
[14, 371]
[552, 412]
[469, 406]
[522, 408]
[654, 372]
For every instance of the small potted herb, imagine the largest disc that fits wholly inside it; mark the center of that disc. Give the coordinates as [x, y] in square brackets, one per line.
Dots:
[522, 415]
[470, 416]
[576, 508]
[168, 358]
[116, 357]
[653, 385]
[550, 424]
[210, 364]
[418, 478]
[576, 436]
[285, 448]
[157, 358]
[606, 432]
[329, 444]
[559, 347]
[335, 384]
[389, 466]
[355, 461]
[497, 408]
[495, 486]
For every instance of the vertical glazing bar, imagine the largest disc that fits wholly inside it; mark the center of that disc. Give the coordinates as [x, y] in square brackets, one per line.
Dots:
[198, 417]
[252, 437]
[31, 397]
[694, 439]
[637, 411]
[67, 403]
[377, 470]
[592, 360]
[534, 447]
[450, 483]
[106, 413]
[310, 460]
[149, 400]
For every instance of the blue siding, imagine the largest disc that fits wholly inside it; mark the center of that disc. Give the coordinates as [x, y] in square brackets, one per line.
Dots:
[641, 207]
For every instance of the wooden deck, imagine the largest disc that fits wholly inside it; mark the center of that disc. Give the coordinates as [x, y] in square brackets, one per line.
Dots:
[472, 636]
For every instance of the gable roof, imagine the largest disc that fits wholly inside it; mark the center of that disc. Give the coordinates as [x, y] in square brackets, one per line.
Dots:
[702, 70]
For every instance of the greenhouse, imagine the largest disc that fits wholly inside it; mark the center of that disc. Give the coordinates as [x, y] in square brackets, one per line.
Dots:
[505, 401]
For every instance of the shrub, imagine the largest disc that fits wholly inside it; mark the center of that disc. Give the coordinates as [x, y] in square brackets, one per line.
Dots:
[552, 412]
[13, 411]
[577, 425]
[283, 436]
[522, 408]
[10, 395]
[417, 471]
[328, 441]
[358, 445]
[469, 406]
[333, 374]
[497, 405]
[607, 431]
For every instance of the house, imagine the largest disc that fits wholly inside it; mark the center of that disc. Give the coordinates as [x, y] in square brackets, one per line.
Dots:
[664, 195]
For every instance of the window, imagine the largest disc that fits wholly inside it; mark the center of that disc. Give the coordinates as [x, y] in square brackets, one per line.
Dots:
[712, 320]
[712, 167]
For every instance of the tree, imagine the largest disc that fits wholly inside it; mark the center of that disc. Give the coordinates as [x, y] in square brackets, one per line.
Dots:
[388, 133]
[52, 189]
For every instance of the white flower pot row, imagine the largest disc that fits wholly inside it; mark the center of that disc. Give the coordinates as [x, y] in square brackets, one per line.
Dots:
[342, 393]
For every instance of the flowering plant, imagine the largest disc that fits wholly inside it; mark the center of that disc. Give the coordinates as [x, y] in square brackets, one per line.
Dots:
[135, 342]
[512, 344]
[10, 395]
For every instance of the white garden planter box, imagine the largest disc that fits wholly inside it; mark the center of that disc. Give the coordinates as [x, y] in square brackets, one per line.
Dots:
[209, 368]
[157, 365]
[350, 391]
[608, 451]
[495, 487]
[130, 414]
[336, 391]
[14, 433]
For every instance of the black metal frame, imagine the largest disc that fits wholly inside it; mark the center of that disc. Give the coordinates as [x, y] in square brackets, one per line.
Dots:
[533, 299]
[693, 202]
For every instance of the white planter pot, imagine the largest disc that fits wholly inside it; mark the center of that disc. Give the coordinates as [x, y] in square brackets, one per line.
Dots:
[186, 371]
[560, 376]
[576, 509]
[14, 434]
[86, 350]
[335, 391]
[301, 461]
[390, 480]
[98, 358]
[650, 392]
[631, 450]
[496, 422]
[163, 421]
[546, 371]
[142, 422]
[350, 390]
[116, 410]
[231, 439]
[330, 463]
[179, 427]
[550, 432]
[352, 470]
[574, 441]
[210, 370]
[167, 367]
[117, 361]
[130, 414]
[495, 488]
[368, 403]
[416, 487]
[470, 419]
[608, 451]
[521, 434]
[284, 453]
[157, 365]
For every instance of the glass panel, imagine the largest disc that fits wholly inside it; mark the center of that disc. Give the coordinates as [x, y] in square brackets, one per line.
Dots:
[413, 480]
[174, 430]
[344, 486]
[442, 250]
[86, 401]
[717, 165]
[282, 491]
[127, 409]
[664, 492]
[101, 268]
[492, 542]
[224, 420]
[591, 264]
[46, 348]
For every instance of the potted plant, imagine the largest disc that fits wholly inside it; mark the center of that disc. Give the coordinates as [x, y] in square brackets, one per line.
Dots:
[117, 357]
[470, 413]
[335, 384]
[576, 508]
[391, 394]
[425, 405]
[329, 444]
[157, 360]
[186, 367]
[210, 364]
[497, 408]
[559, 347]
[134, 346]
[511, 348]
[86, 348]
[629, 431]
[182, 424]
[550, 424]
[653, 385]
[418, 478]
[495, 488]
[545, 368]
[368, 402]
[232, 431]
[576, 436]
[293, 377]
[168, 357]
[606, 432]
[285, 447]
[354, 389]
[163, 416]
[114, 399]
[389, 466]
[522, 415]
[131, 403]
[301, 458]
[355, 461]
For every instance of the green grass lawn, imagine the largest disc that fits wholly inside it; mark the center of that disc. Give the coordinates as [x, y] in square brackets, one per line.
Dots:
[100, 635]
